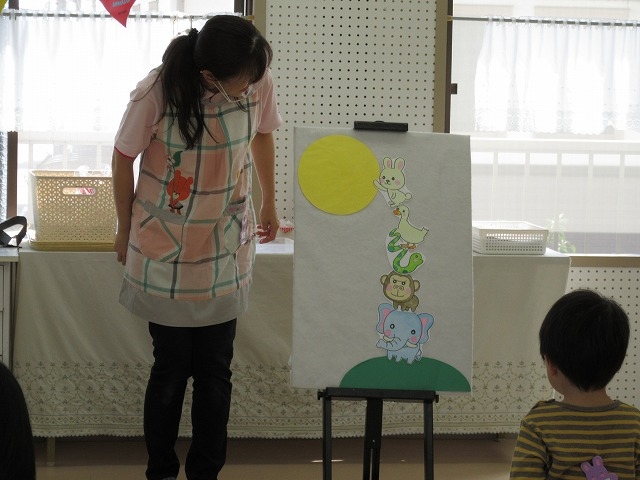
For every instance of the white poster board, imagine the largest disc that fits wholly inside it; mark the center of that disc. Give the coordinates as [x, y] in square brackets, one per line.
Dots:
[382, 294]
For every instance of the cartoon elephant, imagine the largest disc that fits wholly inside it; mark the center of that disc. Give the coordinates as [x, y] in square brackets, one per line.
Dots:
[403, 333]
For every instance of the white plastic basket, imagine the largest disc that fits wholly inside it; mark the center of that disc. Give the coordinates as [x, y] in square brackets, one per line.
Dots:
[509, 238]
[72, 208]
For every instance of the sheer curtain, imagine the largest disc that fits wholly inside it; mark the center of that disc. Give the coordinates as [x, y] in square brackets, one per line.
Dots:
[65, 73]
[65, 81]
[558, 77]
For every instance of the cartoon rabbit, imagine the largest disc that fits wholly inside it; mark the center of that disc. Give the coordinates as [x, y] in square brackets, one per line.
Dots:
[392, 180]
[597, 471]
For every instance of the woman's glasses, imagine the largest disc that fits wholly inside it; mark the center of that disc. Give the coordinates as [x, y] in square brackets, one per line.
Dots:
[245, 93]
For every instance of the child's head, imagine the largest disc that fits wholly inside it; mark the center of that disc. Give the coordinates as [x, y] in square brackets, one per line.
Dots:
[230, 50]
[585, 335]
[229, 46]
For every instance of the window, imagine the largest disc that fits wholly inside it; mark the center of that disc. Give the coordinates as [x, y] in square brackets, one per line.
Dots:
[66, 97]
[550, 95]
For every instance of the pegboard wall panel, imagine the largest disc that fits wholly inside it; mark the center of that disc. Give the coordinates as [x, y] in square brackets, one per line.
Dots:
[339, 61]
[623, 285]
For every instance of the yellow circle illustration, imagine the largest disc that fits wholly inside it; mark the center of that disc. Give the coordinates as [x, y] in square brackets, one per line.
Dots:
[336, 174]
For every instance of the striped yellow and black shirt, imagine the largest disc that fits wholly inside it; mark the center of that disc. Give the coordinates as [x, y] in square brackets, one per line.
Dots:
[556, 438]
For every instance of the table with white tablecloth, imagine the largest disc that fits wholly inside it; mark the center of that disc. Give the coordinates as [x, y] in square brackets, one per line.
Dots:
[83, 360]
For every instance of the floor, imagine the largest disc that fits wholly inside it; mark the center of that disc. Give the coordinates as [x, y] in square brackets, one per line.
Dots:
[456, 458]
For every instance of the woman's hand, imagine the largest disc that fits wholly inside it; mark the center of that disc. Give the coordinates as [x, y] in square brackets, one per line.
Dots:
[269, 223]
[120, 246]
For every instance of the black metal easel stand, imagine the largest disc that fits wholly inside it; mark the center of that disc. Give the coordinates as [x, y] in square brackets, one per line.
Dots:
[373, 425]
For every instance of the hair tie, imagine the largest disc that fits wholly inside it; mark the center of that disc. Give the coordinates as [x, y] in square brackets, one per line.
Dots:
[193, 36]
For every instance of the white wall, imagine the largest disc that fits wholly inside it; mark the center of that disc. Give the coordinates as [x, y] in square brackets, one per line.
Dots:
[197, 7]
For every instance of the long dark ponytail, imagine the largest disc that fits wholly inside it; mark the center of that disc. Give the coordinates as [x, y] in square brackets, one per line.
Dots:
[227, 46]
[182, 87]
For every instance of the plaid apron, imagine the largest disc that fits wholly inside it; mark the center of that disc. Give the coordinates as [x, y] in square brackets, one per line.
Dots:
[192, 218]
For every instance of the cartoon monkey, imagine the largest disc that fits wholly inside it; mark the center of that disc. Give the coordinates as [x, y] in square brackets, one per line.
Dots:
[401, 289]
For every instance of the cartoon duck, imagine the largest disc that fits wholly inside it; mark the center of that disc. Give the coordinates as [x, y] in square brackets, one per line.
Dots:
[408, 232]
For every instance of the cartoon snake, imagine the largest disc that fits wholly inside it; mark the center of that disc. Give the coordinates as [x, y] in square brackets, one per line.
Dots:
[415, 260]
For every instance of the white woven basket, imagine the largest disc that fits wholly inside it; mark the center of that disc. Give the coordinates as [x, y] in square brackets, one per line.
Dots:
[509, 238]
[72, 208]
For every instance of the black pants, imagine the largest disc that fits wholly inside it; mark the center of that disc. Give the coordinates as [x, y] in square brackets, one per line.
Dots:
[205, 354]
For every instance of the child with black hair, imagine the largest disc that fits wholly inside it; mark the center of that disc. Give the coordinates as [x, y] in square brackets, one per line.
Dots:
[583, 342]
[17, 457]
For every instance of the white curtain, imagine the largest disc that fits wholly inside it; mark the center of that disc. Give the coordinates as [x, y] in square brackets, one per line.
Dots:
[560, 77]
[68, 73]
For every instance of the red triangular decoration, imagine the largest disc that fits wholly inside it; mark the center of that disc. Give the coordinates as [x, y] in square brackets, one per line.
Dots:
[119, 9]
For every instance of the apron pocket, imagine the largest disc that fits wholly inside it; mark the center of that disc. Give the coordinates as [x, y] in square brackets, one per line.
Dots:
[238, 225]
[160, 234]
